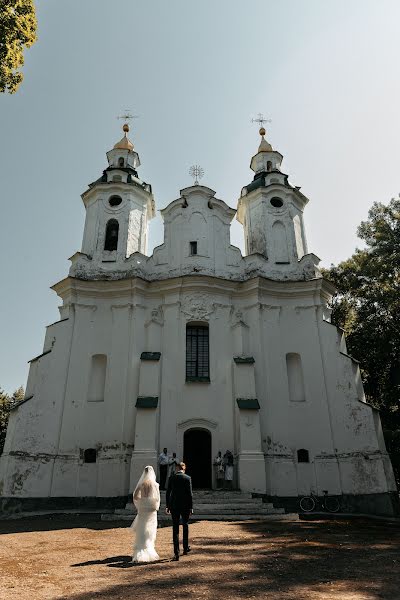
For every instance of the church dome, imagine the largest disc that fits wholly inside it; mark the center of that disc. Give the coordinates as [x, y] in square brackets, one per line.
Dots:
[124, 143]
[264, 145]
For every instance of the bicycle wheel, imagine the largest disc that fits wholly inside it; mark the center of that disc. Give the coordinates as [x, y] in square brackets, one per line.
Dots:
[332, 504]
[307, 504]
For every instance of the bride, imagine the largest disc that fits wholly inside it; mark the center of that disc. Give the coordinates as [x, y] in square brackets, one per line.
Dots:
[146, 498]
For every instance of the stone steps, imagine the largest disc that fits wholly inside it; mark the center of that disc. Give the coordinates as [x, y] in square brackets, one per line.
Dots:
[163, 518]
[233, 502]
[211, 505]
[217, 508]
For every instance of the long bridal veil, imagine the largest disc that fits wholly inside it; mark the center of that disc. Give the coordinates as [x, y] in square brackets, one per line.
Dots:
[146, 498]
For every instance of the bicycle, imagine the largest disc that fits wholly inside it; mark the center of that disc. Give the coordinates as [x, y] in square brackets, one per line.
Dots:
[327, 503]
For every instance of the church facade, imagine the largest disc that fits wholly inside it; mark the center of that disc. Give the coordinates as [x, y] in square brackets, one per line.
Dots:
[195, 348]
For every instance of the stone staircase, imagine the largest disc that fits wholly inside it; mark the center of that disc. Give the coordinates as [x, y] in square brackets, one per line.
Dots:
[212, 505]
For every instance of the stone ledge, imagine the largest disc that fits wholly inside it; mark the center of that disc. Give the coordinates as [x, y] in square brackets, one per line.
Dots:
[13, 505]
[197, 380]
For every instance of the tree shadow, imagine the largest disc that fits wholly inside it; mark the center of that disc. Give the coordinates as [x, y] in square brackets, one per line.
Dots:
[272, 560]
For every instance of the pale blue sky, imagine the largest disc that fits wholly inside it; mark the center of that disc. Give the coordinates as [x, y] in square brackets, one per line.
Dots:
[325, 71]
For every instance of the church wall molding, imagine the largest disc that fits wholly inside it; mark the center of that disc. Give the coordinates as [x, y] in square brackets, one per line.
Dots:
[197, 423]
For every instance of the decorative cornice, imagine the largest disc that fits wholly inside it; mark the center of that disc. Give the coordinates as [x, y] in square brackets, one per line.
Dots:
[203, 284]
[193, 423]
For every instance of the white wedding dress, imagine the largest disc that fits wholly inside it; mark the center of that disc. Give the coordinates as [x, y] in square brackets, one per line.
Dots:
[146, 498]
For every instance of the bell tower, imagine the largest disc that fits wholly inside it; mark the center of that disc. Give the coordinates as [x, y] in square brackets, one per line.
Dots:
[118, 206]
[271, 210]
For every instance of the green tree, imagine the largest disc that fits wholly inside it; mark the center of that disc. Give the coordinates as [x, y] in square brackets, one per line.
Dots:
[367, 307]
[17, 31]
[6, 404]
[18, 395]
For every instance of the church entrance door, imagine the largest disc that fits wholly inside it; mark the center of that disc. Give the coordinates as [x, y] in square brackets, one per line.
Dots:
[197, 456]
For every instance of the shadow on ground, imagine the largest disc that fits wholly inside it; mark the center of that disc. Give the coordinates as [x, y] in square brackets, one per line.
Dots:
[300, 560]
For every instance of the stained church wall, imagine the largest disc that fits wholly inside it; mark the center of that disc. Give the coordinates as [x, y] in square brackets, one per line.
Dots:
[111, 389]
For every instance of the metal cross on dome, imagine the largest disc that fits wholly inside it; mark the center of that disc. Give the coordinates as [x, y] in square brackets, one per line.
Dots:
[261, 120]
[196, 172]
[127, 116]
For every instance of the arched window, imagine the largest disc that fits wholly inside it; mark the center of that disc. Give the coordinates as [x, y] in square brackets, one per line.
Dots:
[111, 239]
[279, 242]
[303, 456]
[97, 381]
[121, 162]
[269, 165]
[90, 455]
[197, 352]
[295, 377]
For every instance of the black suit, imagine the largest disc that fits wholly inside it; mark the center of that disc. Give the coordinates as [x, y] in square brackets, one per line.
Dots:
[180, 503]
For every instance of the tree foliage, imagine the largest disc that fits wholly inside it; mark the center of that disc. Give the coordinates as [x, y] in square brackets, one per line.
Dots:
[367, 307]
[17, 32]
[6, 404]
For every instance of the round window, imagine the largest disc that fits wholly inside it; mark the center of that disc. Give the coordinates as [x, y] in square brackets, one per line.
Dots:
[115, 200]
[276, 202]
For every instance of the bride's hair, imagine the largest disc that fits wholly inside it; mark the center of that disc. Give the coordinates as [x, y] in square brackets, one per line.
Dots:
[147, 488]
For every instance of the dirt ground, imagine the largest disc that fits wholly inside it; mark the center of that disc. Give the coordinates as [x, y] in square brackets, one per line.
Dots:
[82, 558]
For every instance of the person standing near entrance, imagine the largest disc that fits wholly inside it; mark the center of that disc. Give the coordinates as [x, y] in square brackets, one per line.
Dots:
[172, 462]
[228, 465]
[179, 503]
[219, 471]
[163, 464]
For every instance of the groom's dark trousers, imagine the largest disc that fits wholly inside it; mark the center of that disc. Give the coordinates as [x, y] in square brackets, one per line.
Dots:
[179, 501]
[176, 515]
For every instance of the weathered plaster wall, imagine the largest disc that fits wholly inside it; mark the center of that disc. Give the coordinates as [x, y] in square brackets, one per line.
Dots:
[259, 318]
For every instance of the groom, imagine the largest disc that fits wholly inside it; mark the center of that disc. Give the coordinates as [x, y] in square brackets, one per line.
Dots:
[180, 504]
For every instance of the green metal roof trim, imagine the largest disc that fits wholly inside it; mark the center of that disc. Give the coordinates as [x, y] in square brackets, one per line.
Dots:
[147, 402]
[248, 403]
[150, 356]
[40, 356]
[21, 402]
[244, 360]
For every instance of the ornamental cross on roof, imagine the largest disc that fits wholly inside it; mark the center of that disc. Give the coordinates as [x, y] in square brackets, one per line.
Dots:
[261, 120]
[127, 116]
[196, 172]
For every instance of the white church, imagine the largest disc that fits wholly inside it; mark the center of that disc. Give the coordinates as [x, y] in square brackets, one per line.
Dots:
[196, 348]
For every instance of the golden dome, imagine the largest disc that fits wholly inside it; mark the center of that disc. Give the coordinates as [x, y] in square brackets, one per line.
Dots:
[264, 146]
[125, 143]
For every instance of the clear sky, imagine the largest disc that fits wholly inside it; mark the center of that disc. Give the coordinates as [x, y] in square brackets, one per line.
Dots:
[325, 71]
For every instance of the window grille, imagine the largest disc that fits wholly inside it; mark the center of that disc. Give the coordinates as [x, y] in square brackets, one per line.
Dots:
[197, 353]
